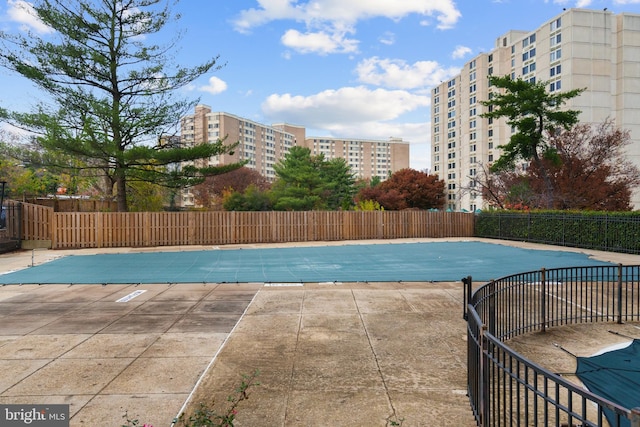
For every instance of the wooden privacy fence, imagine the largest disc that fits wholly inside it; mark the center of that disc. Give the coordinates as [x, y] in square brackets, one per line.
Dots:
[68, 230]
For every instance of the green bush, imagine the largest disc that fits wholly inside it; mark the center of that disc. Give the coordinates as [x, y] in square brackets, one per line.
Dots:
[615, 232]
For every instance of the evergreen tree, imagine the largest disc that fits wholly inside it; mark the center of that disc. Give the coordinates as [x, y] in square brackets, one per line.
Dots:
[110, 92]
[535, 114]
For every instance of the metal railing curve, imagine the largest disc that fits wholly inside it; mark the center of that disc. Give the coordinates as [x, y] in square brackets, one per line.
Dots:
[506, 389]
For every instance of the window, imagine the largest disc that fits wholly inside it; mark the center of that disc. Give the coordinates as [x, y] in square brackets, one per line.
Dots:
[472, 124]
[472, 137]
[472, 64]
[555, 24]
[451, 82]
[555, 70]
[436, 100]
[555, 55]
[472, 88]
[472, 112]
[451, 103]
[491, 57]
[472, 100]
[490, 71]
[472, 76]
[491, 157]
[451, 114]
[531, 53]
[451, 93]
[490, 132]
[556, 39]
[554, 86]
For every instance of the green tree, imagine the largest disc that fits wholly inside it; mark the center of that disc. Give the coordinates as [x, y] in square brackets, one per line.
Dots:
[298, 186]
[252, 199]
[110, 91]
[340, 184]
[535, 114]
[306, 182]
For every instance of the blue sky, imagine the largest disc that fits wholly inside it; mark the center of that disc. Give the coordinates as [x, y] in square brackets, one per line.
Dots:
[343, 68]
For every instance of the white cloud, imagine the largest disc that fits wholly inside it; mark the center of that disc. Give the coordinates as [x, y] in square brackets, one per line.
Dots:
[327, 22]
[22, 12]
[358, 112]
[396, 73]
[445, 11]
[387, 38]
[460, 52]
[342, 107]
[319, 42]
[215, 86]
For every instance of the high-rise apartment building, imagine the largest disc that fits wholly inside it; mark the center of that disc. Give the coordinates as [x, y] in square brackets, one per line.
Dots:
[595, 50]
[260, 146]
[263, 146]
[366, 158]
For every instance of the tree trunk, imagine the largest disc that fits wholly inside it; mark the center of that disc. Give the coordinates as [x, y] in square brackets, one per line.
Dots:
[121, 190]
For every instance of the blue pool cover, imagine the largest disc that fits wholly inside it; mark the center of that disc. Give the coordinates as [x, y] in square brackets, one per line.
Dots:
[614, 375]
[408, 262]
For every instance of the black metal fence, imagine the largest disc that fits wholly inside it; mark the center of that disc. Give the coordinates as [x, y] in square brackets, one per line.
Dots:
[504, 388]
[614, 232]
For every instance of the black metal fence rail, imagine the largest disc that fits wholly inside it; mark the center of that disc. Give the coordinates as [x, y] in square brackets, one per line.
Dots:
[504, 388]
[606, 232]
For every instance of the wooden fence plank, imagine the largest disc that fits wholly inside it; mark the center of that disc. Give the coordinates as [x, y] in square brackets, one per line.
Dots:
[138, 229]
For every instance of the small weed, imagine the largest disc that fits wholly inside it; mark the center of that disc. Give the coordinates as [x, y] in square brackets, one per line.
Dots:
[394, 421]
[206, 415]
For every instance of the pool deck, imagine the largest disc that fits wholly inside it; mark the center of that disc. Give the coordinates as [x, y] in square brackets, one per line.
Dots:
[327, 354]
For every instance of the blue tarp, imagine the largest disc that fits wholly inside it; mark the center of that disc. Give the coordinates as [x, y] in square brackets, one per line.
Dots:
[408, 262]
[615, 376]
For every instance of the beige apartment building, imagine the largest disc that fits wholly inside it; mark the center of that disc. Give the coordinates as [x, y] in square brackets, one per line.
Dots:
[366, 158]
[580, 48]
[262, 146]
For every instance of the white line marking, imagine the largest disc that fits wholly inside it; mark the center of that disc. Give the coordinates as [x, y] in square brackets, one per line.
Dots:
[132, 295]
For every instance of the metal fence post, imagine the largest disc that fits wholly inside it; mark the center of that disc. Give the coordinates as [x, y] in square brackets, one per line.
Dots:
[619, 308]
[485, 403]
[466, 281]
[492, 307]
[543, 299]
